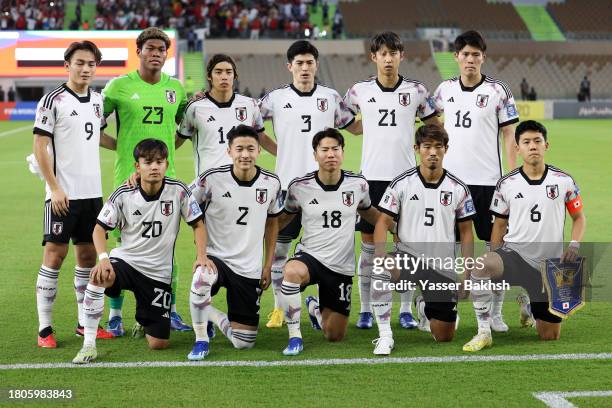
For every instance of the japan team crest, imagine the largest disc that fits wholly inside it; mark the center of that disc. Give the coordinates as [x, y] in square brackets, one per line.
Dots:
[57, 228]
[322, 104]
[404, 99]
[446, 197]
[552, 191]
[241, 113]
[170, 95]
[97, 110]
[482, 100]
[348, 198]
[261, 195]
[167, 207]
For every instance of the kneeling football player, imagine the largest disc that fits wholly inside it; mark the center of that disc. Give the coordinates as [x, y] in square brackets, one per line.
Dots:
[329, 200]
[148, 216]
[529, 205]
[427, 201]
[241, 202]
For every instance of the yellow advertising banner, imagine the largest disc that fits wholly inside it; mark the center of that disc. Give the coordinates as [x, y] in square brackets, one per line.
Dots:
[531, 110]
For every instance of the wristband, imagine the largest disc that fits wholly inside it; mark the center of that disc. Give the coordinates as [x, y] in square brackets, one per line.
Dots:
[102, 256]
[574, 244]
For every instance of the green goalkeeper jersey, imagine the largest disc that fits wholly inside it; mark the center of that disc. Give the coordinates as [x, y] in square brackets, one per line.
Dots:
[143, 111]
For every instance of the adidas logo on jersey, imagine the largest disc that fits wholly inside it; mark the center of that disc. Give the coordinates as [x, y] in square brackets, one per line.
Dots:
[211, 119]
[166, 315]
[414, 197]
[74, 113]
[451, 99]
[288, 106]
[519, 195]
[372, 100]
[135, 96]
[228, 195]
[137, 212]
[314, 201]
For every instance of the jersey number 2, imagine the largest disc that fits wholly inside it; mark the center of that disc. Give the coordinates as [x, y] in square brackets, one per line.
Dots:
[241, 220]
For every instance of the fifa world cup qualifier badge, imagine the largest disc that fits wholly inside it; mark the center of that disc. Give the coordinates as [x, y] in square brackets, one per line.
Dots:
[171, 95]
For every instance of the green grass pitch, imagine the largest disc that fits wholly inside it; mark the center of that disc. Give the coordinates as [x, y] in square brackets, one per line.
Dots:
[580, 147]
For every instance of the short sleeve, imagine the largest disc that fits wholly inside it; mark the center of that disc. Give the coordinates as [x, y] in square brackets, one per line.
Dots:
[276, 203]
[365, 202]
[44, 123]
[465, 206]
[110, 98]
[499, 206]
[343, 116]
[187, 128]
[351, 100]
[573, 201]
[507, 113]
[200, 191]
[426, 108]
[110, 216]
[190, 210]
[180, 113]
[292, 204]
[258, 122]
[437, 99]
[390, 201]
[266, 106]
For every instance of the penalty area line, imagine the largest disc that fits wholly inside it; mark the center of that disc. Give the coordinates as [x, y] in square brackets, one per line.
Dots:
[317, 362]
[557, 399]
[16, 130]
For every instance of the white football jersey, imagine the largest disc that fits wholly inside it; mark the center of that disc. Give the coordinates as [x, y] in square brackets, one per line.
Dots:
[388, 116]
[329, 213]
[426, 213]
[296, 117]
[207, 123]
[473, 117]
[73, 123]
[536, 211]
[235, 213]
[149, 225]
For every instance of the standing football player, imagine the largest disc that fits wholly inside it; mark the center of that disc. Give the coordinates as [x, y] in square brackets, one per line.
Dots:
[147, 104]
[529, 205]
[209, 118]
[148, 216]
[299, 110]
[67, 136]
[241, 202]
[328, 200]
[389, 106]
[476, 107]
[427, 201]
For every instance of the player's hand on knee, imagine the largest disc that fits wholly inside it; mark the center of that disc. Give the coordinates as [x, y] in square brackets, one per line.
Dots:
[59, 202]
[204, 262]
[102, 273]
[133, 180]
[266, 277]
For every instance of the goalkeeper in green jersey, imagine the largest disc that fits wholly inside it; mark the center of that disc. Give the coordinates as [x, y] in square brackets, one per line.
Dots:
[147, 104]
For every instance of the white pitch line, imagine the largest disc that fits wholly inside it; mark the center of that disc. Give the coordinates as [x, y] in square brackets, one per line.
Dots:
[557, 399]
[16, 130]
[318, 362]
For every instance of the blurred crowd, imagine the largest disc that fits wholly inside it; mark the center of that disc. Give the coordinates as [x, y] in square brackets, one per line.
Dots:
[32, 15]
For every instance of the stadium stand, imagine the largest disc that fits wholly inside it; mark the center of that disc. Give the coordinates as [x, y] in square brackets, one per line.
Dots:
[581, 22]
[31, 15]
[494, 20]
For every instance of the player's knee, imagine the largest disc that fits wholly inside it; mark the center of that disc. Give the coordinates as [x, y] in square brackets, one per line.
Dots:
[54, 256]
[292, 273]
[334, 335]
[202, 281]
[157, 344]
[443, 337]
[243, 339]
[490, 266]
[86, 259]
[549, 335]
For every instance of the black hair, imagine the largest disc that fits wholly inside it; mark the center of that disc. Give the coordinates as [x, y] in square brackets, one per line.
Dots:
[214, 60]
[301, 47]
[471, 38]
[388, 38]
[84, 46]
[527, 126]
[152, 33]
[329, 132]
[241, 131]
[150, 149]
[433, 132]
